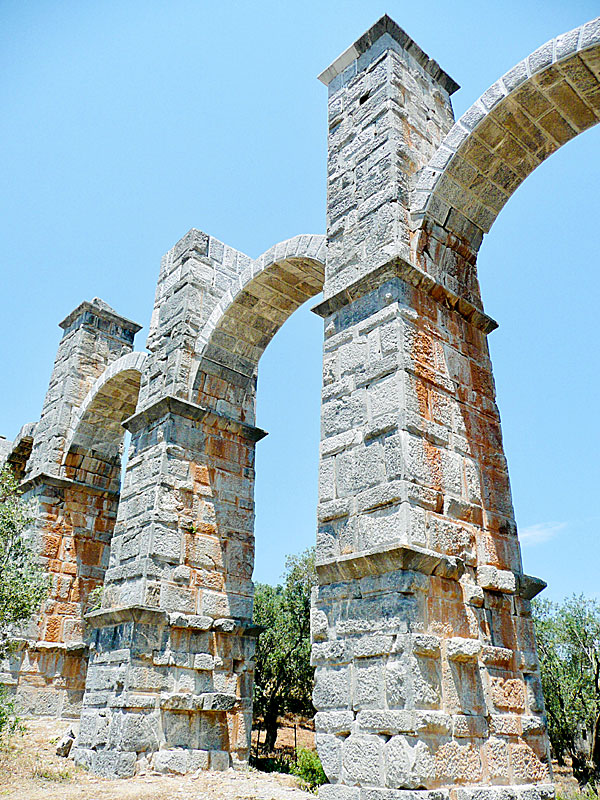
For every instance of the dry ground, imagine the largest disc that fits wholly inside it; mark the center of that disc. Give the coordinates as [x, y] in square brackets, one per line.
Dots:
[31, 770]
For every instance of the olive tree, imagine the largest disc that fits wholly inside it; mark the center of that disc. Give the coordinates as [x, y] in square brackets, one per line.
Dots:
[568, 639]
[284, 676]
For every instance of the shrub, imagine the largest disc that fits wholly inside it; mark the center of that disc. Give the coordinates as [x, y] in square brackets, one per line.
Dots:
[308, 767]
[9, 721]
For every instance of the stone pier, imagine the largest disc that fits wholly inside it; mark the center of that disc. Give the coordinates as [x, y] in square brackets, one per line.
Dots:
[426, 673]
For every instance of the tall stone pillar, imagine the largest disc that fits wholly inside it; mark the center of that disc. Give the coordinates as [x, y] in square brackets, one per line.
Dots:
[74, 500]
[169, 682]
[426, 671]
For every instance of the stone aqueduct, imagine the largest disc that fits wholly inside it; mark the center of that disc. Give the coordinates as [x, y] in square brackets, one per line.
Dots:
[426, 670]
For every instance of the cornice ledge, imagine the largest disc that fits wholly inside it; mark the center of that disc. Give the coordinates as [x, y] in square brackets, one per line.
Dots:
[389, 558]
[40, 478]
[398, 267]
[184, 408]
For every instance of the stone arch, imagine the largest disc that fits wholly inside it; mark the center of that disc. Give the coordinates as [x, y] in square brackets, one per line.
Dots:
[540, 104]
[96, 426]
[237, 332]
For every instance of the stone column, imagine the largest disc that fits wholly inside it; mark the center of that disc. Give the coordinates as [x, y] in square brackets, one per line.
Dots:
[426, 672]
[170, 678]
[74, 501]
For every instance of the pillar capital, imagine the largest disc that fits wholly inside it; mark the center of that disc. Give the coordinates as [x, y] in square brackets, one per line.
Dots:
[98, 314]
[383, 35]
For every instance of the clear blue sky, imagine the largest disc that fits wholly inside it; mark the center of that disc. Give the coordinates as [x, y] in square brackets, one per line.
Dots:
[126, 122]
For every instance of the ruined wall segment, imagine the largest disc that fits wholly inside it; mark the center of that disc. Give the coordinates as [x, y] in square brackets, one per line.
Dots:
[72, 484]
[426, 673]
[170, 679]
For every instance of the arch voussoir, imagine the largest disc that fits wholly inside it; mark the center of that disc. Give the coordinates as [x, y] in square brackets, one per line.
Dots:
[97, 423]
[536, 107]
[266, 294]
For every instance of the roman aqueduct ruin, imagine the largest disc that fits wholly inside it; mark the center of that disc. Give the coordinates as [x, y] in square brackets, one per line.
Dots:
[426, 674]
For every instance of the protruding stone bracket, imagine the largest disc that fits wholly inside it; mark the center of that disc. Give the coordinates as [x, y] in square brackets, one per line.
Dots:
[529, 587]
[398, 267]
[380, 560]
[192, 411]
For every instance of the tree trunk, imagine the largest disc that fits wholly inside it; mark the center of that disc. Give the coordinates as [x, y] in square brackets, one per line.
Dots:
[271, 727]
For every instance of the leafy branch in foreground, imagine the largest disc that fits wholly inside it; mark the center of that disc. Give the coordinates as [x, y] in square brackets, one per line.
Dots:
[23, 583]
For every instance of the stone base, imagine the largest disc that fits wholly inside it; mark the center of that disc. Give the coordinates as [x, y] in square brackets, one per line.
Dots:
[47, 678]
[530, 791]
[166, 691]
[178, 761]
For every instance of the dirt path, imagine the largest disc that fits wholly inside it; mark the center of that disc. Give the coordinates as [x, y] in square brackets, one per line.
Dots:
[31, 770]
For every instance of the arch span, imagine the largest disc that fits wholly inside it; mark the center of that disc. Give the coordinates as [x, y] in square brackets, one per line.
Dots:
[97, 423]
[540, 104]
[250, 314]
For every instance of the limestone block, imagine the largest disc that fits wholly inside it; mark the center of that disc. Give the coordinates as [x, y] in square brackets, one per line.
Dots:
[426, 684]
[534, 694]
[463, 689]
[387, 722]
[497, 758]
[173, 760]
[396, 683]
[334, 721]
[458, 763]
[459, 649]
[367, 683]
[331, 791]
[332, 687]
[113, 764]
[433, 722]
[318, 625]
[408, 763]
[203, 661]
[362, 760]
[469, 726]
[197, 760]
[139, 732]
[373, 645]
[498, 580]
[329, 748]
[335, 652]
[508, 693]
[426, 645]
[525, 765]
[219, 760]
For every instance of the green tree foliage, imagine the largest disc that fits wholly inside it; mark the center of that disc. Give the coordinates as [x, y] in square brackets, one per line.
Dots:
[568, 639]
[284, 676]
[23, 583]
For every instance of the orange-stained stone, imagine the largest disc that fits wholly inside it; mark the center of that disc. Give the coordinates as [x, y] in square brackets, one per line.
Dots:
[52, 629]
[458, 763]
[50, 545]
[526, 767]
[508, 693]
